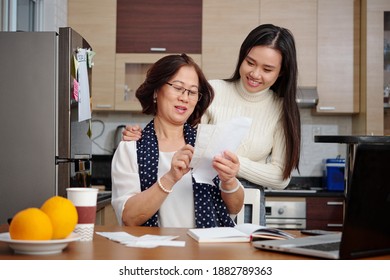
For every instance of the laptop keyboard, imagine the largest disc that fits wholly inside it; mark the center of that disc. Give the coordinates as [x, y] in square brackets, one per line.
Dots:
[333, 246]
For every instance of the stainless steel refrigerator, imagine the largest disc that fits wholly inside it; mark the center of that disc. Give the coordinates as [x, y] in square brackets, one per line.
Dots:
[45, 145]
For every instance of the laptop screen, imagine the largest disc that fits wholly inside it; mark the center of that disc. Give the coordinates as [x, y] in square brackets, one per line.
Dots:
[367, 219]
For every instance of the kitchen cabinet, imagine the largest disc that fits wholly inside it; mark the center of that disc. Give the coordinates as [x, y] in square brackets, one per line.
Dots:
[325, 29]
[338, 56]
[170, 26]
[322, 30]
[386, 122]
[300, 17]
[106, 216]
[324, 213]
[225, 25]
[147, 31]
[233, 20]
[327, 41]
[97, 23]
[130, 73]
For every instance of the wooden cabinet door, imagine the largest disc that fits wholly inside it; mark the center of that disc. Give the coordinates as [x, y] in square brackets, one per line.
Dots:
[338, 56]
[172, 26]
[130, 73]
[324, 213]
[96, 23]
[225, 26]
[300, 17]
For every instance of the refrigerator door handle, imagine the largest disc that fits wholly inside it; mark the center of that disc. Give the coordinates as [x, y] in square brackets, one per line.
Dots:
[63, 160]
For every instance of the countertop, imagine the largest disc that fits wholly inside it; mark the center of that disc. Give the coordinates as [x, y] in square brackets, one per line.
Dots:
[104, 199]
[303, 193]
[351, 139]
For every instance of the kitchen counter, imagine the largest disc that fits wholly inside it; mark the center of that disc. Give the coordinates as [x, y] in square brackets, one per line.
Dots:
[301, 186]
[103, 249]
[103, 200]
[302, 193]
[351, 139]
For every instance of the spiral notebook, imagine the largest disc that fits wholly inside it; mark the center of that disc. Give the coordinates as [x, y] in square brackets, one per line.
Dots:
[366, 229]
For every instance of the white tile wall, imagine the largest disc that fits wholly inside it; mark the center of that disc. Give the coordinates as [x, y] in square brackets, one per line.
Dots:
[312, 154]
[105, 124]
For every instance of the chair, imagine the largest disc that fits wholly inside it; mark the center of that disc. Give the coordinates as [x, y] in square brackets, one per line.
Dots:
[252, 198]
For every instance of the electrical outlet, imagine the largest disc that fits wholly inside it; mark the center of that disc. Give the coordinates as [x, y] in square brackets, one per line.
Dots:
[316, 130]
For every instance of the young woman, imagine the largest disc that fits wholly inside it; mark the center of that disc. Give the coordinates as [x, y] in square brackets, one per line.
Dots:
[262, 87]
[151, 179]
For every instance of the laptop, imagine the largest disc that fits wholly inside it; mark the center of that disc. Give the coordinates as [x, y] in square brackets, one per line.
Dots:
[366, 228]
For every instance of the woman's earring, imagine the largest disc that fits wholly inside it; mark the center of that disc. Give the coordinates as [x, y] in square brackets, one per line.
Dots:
[155, 97]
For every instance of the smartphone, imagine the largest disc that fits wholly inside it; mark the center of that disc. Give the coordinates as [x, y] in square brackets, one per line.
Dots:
[317, 231]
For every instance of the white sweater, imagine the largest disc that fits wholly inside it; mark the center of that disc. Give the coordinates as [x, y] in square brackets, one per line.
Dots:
[261, 153]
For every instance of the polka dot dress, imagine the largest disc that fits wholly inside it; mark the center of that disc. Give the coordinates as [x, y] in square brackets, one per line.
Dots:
[210, 210]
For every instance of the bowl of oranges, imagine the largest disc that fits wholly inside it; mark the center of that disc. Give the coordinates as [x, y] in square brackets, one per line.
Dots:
[44, 230]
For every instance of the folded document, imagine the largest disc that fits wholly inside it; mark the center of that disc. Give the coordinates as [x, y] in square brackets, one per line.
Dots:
[144, 241]
[212, 140]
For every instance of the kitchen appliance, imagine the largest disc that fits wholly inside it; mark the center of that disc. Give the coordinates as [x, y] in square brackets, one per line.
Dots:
[285, 212]
[45, 144]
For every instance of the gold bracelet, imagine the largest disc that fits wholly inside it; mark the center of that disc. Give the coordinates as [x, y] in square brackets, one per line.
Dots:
[162, 187]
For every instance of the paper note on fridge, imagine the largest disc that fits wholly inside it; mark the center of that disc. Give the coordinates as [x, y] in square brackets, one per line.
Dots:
[84, 95]
[212, 140]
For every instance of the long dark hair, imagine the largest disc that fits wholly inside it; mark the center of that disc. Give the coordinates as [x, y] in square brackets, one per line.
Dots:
[160, 73]
[285, 87]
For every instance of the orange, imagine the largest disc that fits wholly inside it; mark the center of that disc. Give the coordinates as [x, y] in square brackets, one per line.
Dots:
[63, 215]
[31, 224]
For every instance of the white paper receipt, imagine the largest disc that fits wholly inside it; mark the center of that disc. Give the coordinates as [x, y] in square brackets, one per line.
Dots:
[212, 140]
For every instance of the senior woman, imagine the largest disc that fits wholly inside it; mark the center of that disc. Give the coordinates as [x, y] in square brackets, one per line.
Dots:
[152, 183]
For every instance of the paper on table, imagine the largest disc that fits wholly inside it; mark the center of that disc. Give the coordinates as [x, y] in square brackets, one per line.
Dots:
[212, 140]
[144, 241]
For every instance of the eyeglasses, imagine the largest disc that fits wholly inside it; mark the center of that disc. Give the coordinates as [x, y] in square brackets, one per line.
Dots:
[193, 95]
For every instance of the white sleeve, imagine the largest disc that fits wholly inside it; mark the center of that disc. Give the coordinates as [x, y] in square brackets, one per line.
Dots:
[124, 176]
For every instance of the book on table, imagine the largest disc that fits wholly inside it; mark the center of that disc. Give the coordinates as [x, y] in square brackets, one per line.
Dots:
[240, 233]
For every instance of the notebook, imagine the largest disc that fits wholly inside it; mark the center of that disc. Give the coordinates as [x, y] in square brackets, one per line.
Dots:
[366, 228]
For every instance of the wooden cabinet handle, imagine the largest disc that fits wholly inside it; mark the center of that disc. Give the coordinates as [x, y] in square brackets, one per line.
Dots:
[103, 106]
[327, 108]
[334, 225]
[334, 203]
[158, 49]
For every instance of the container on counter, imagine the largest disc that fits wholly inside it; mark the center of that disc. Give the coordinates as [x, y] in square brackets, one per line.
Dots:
[334, 179]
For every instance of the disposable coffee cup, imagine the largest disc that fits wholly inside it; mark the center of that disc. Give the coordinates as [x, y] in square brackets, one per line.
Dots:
[84, 199]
